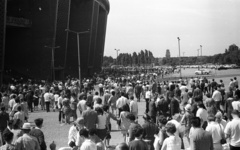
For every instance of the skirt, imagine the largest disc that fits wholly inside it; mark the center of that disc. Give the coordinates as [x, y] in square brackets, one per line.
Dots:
[102, 133]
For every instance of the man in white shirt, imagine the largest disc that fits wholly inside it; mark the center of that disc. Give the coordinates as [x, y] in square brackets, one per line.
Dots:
[12, 101]
[148, 95]
[87, 144]
[120, 102]
[217, 96]
[133, 107]
[202, 114]
[232, 131]
[47, 99]
[82, 105]
[216, 131]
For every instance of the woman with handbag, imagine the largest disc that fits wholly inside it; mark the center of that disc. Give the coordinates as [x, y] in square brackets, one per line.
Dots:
[216, 131]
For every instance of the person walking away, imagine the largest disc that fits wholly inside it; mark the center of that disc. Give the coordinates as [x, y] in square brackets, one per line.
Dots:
[133, 107]
[112, 102]
[124, 125]
[121, 102]
[27, 141]
[186, 120]
[216, 131]
[4, 119]
[37, 132]
[149, 130]
[90, 117]
[199, 138]
[101, 125]
[172, 142]
[138, 143]
[148, 96]
[202, 114]
[47, 100]
[87, 144]
[82, 104]
[131, 134]
[152, 110]
[232, 132]
[19, 115]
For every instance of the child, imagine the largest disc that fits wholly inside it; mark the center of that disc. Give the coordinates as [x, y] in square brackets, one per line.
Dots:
[108, 123]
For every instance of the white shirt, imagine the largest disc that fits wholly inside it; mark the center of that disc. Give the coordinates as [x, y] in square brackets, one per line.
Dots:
[102, 120]
[56, 96]
[172, 143]
[148, 94]
[60, 99]
[177, 125]
[233, 130]
[47, 97]
[11, 103]
[121, 101]
[202, 114]
[217, 96]
[133, 106]
[82, 105]
[72, 134]
[236, 105]
[216, 130]
[88, 145]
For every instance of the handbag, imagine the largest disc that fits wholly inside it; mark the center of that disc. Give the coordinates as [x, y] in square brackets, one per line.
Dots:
[223, 140]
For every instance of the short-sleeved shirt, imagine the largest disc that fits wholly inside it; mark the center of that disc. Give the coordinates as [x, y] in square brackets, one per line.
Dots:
[90, 119]
[202, 114]
[88, 145]
[233, 130]
[172, 143]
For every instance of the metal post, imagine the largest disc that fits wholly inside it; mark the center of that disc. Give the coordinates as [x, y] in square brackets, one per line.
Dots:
[201, 49]
[117, 55]
[52, 60]
[79, 58]
[179, 56]
[79, 62]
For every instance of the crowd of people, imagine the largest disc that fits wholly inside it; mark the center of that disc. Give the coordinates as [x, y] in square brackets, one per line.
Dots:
[198, 113]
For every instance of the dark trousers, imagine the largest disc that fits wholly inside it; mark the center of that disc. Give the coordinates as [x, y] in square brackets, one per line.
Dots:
[234, 148]
[218, 105]
[147, 105]
[61, 116]
[47, 106]
[119, 111]
[30, 106]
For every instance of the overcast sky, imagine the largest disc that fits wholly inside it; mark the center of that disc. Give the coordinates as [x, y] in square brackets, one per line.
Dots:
[155, 25]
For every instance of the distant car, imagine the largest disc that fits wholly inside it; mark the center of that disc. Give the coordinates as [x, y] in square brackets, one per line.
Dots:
[222, 68]
[202, 72]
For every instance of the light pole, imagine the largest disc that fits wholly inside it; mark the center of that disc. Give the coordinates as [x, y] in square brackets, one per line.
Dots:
[52, 64]
[79, 59]
[117, 55]
[179, 56]
[201, 49]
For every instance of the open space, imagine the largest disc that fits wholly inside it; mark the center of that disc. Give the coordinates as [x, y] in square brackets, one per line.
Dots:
[59, 133]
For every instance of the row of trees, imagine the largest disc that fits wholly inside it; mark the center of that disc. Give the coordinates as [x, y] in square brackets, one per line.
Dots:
[231, 56]
[144, 57]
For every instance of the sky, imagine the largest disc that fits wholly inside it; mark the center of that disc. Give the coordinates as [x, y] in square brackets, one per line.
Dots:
[135, 25]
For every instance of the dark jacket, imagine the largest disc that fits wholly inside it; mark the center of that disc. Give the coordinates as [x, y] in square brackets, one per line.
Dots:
[174, 107]
[40, 137]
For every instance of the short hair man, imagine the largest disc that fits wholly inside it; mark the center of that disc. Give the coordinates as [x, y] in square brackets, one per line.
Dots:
[200, 139]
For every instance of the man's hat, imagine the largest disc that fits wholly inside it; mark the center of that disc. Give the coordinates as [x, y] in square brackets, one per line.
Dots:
[26, 126]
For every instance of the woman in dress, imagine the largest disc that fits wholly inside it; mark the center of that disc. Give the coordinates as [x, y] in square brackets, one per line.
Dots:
[124, 121]
[173, 142]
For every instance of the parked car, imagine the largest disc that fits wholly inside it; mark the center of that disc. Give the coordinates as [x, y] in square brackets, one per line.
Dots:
[202, 72]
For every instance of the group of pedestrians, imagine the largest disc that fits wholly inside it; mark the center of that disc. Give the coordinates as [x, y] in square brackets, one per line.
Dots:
[200, 112]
